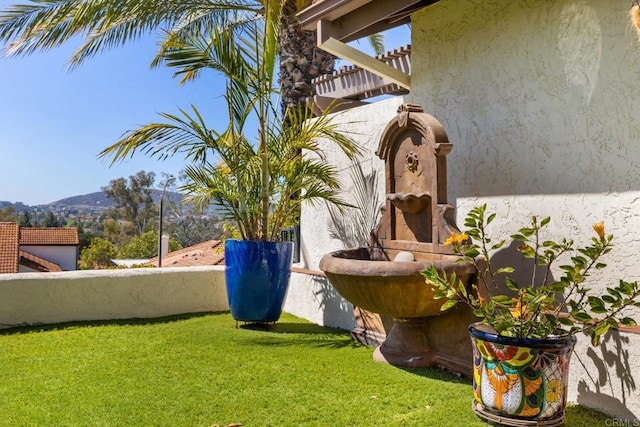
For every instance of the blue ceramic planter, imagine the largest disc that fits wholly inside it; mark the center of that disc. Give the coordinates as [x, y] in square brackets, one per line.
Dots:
[257, 277]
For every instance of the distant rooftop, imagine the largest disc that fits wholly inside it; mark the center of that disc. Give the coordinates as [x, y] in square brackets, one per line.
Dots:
[37, 263]
[205, 253]
[43, 236]
[12, 236]
[9, 235]
[129, 262]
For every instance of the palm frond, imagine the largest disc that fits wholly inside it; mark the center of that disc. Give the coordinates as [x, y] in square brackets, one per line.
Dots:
[377, 43]
[104, 24]
[186, 134]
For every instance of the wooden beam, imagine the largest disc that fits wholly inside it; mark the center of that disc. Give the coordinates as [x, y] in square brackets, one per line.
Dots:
[381, 14]
[328, 10]
[353, 19]
[361, 59]
[378, 27]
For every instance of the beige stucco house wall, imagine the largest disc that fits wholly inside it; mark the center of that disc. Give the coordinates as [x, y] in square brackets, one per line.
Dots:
[65, 256]
[541, 100]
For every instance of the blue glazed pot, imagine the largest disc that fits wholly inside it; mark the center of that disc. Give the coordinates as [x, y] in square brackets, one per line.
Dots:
[257, 277]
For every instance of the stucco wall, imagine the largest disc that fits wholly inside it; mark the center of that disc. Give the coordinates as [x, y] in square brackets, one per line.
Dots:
[46, 298]
[34, 298]
[312, 297]
[65, 256]
[541, 100]
[365, 126]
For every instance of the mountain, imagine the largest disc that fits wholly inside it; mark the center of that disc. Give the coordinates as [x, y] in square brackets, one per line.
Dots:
[98, 201]
[91, 201]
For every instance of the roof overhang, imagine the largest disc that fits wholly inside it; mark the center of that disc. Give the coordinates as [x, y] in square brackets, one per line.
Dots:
[348, 20]
[338, 22]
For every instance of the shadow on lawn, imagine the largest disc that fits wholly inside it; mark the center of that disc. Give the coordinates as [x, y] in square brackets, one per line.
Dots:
[295, 328]
[438, 374]
[23, 329]
[300, 333]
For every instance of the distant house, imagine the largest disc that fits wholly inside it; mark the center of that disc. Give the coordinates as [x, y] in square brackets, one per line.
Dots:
[9, 247]
[33, 249]
[205, 253]
[129, 262]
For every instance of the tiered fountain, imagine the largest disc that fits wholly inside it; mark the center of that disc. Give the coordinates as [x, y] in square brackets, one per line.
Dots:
[385, 277]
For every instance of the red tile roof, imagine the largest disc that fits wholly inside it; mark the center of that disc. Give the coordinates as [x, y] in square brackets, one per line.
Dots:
[43, 236]
[9, 235]
[210, 252]
[36, 263]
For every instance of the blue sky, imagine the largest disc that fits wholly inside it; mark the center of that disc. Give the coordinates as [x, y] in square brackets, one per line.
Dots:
[54, 122]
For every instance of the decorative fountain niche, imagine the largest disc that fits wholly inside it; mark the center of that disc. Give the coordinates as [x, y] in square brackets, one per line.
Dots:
[385, 277]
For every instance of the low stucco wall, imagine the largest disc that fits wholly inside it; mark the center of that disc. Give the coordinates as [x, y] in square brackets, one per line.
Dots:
[312, 297]
[39, 298]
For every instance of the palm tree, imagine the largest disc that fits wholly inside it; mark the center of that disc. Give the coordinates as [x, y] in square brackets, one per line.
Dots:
[256, 184]
[300, 59]
[104, 24]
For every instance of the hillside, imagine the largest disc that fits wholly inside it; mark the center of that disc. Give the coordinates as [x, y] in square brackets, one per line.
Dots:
[91, 201]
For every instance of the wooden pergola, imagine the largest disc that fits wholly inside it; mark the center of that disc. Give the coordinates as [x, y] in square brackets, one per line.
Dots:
[340, 21]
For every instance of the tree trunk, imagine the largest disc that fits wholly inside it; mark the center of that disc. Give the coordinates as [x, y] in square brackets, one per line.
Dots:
[300, 60]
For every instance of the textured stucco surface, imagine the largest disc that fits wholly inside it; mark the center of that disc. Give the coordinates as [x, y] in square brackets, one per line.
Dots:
[365, 126]
[312, 297]
[65, 256]
[34, 298]
[541, 100]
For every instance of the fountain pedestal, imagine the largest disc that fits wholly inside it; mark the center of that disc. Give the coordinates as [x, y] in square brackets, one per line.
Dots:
[406, 344]
[436, 341]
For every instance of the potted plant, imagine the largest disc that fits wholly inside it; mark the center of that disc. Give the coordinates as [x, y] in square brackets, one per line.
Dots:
[259, 186]
[526, 332]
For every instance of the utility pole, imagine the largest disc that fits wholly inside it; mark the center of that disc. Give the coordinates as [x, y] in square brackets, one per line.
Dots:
[170, 180]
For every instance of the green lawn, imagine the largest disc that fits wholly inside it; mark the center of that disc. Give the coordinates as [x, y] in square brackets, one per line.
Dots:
[202, 371]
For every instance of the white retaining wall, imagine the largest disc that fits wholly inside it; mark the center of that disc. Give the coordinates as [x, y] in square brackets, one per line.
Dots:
[42, 298]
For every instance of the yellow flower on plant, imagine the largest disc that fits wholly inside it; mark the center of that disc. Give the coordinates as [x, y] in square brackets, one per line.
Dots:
[599, 228]
[518, 310]
[456, 239]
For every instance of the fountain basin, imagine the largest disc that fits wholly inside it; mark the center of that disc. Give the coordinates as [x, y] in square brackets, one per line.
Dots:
[396, 289]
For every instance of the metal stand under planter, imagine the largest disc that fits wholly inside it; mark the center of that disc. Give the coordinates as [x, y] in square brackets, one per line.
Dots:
[520, 381]
[257, 279]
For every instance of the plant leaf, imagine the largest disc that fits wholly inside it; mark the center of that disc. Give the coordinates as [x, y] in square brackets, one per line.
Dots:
[447, 305]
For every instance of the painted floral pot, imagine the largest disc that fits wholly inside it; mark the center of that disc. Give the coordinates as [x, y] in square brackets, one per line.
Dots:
[257, 278]
[518, 378]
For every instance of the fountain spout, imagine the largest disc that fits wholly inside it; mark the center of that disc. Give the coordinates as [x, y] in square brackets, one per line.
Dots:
[417, 215]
